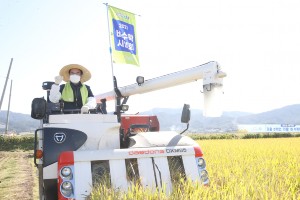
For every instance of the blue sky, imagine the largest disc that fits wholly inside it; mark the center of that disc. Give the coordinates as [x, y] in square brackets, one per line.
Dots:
[255, 42]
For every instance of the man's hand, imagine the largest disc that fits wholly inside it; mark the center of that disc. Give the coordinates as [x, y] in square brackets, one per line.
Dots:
[58, 79]
[84, 110]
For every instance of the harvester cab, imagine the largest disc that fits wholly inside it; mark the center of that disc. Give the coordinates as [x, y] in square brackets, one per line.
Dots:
[74, 152]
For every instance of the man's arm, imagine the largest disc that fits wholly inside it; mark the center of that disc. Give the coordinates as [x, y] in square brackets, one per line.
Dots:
[55, 94]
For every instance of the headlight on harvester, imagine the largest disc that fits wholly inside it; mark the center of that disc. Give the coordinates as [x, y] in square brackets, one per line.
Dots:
[204, 176]
[67, 188]
[66, 172]
[201, 163]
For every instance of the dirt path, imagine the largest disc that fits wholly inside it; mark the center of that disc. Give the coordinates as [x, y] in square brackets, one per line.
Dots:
[17, 176]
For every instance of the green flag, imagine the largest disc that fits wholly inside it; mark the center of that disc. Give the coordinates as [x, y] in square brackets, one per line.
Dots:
[123, 37]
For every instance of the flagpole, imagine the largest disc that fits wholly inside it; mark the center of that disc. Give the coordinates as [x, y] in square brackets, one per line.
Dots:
[110, 49]
[113, 59]
[115, 86]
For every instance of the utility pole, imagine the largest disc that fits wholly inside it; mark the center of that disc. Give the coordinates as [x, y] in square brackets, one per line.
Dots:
[8, 109]
[7, 77]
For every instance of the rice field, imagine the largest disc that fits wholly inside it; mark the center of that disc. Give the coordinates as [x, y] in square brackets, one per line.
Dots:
[238, 169]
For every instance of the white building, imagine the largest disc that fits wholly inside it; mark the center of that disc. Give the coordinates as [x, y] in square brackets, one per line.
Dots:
[269, 128]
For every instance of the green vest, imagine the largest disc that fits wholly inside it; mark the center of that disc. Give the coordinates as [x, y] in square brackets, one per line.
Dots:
[68, 95]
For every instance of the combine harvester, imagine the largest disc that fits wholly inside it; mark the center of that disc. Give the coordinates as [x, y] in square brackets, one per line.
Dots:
[74, 152]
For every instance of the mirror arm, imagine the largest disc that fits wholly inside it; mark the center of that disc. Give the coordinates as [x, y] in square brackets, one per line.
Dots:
[187, 127]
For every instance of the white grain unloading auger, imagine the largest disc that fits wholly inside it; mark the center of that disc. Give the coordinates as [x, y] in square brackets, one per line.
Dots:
[74, 152]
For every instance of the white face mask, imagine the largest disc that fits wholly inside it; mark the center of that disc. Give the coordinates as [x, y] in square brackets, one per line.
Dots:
[74, 78]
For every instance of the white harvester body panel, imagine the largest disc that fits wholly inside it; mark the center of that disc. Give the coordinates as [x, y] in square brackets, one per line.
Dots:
[50, 172]
[102, 130]
[160, 139]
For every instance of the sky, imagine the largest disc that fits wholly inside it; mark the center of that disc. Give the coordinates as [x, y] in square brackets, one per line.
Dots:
[255, 42]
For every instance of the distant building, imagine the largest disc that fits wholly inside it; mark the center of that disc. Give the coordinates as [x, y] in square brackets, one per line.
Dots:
[269, 128]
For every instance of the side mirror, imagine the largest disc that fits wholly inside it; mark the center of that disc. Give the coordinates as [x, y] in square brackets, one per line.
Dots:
[38, 108]
[186, 114]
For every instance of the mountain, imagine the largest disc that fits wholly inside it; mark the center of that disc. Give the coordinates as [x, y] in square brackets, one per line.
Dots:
[18, 122]
[286, 115]
[170, 119]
